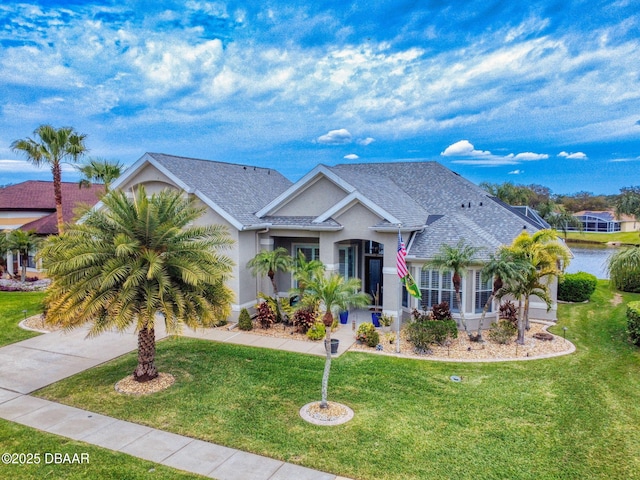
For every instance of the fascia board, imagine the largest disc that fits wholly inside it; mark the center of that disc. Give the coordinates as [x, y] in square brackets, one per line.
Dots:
[138, 165]
[309, 179]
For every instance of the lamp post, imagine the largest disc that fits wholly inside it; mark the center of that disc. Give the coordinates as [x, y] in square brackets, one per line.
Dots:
[564, 333]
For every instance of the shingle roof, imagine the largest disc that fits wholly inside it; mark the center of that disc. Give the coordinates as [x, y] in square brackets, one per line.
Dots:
[35, 195]
[420, 192]
[240, 190]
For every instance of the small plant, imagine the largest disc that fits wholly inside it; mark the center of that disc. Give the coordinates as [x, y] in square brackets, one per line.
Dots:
[441, 311]
[304, 318]
[244, 321]
[266, 317]
[502, 332]
[508, 311]
[390, 338]
[317, 331]
[368, 334]
[385, 320]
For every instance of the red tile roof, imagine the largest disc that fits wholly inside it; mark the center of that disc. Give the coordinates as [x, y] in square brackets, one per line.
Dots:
[38, 195]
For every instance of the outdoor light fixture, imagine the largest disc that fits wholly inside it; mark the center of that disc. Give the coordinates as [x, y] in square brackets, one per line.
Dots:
[564, 333]
[24, 313]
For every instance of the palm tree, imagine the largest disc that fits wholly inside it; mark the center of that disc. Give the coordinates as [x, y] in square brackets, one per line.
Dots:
[134, 259]
[52, 147]
[623, 267]
[502, 268]
[455, 259]
[547, 258]
[269, 262]
[22, 242]
[335, 294]
[305, 271]
[99, 170]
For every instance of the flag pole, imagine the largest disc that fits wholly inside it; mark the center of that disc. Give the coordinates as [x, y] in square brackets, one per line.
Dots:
[399, 305]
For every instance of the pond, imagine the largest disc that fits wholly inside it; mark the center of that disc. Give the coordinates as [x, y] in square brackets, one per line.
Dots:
[590, 259]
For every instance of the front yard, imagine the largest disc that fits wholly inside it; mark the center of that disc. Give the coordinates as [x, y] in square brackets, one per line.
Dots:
[568, 417]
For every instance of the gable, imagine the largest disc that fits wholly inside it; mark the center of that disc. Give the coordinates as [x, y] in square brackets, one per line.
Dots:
[153, 180]
[313, 200]
[357, 217]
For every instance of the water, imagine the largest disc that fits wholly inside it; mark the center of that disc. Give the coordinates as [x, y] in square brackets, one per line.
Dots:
[590, 259]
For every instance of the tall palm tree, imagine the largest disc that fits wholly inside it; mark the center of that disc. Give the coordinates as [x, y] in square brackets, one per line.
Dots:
[455, 259]
[134, 259]
[53, 146]
[269, 262]
[99, 170]
[623, 267]
[502, 268]
[335, 294]
[547, 258]
[23, 243]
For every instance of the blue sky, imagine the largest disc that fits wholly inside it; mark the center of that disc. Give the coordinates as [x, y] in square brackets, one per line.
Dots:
[543, 92]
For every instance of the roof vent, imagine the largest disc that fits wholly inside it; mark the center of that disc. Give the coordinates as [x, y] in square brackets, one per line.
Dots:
[480, 203]
[463, 205]
[469, 204]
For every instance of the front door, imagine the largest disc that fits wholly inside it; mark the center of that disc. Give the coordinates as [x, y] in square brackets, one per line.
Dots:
[373, 277]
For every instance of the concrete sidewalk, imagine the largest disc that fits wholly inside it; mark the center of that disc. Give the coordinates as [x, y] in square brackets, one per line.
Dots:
[37, 362]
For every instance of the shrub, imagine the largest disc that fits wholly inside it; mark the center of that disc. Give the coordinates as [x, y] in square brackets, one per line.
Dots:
[441, 311]
[368, 334]
[633, 322]
[423, 333]
[266, 317]
[576, 287]
[244, 321]
[508, 311]
[317, 331]
[304, 318]
[502, 332]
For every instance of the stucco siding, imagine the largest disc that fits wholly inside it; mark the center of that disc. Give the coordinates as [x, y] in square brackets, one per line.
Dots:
[313, 200]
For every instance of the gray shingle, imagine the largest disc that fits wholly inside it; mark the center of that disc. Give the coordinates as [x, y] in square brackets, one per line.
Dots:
[241, 190]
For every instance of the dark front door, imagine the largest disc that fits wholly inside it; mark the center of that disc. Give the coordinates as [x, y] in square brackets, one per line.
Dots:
[373, 277]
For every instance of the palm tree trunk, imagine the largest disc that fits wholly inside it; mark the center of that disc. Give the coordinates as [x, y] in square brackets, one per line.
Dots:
[327, 365]
[146, 369]
[23, 267]
[484, 314]
[461, 310]
[527, 327]
[520, 339]
[57, 192]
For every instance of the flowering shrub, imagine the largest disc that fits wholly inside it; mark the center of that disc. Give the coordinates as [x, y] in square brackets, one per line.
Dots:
[368, 334]
[31, 285]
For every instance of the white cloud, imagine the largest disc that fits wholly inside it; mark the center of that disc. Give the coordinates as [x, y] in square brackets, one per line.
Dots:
[23, 166]
[335, 137]
[366, 141]
[463, 148]
[516, 172]
[573, 155]
[351, 156]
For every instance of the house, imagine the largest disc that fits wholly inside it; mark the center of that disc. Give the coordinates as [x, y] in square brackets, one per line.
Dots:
[606, 221]
[30, 206]
[347, 216]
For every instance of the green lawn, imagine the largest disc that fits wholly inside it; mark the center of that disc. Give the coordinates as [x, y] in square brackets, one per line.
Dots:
[623, 237]
[12, 305]
[102, 463]
[568, 417]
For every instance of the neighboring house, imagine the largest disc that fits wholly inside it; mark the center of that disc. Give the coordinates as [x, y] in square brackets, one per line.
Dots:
[605, 221]
[346, 216]
[30, 206]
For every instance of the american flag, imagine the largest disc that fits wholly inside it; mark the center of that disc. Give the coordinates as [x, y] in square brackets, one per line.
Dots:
[401, 264]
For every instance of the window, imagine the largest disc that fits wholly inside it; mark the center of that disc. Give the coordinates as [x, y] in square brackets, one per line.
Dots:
[437, 287]
[347, 261]
[482, 292]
